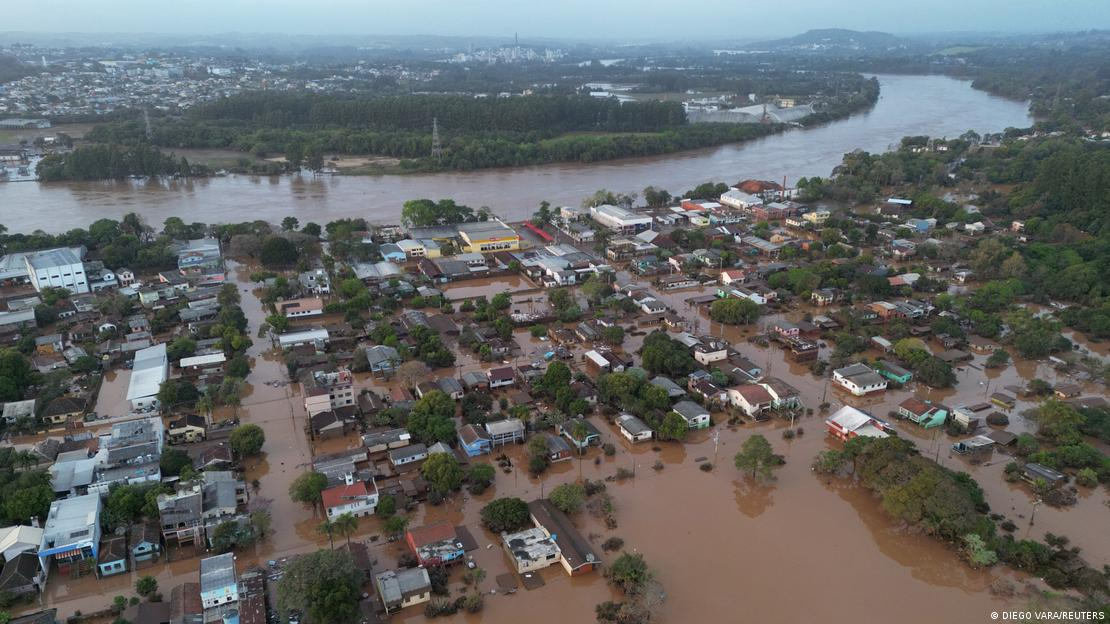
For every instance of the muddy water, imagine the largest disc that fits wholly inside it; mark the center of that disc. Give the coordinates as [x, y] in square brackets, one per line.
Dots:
[112, 400]
[725, 549]
[909, 105]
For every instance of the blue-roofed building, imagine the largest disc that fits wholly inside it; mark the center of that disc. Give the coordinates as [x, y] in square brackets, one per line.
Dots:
[392, 252]
[474, 441]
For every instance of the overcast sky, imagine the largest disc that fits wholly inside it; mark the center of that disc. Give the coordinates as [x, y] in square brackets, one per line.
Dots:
[627, 20]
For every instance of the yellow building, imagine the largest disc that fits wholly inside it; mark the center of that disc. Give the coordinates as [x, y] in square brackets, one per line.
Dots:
[487, 236]
[817, 217]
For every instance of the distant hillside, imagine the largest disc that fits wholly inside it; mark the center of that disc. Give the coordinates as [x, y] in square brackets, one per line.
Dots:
[12, 69]
[834, 40]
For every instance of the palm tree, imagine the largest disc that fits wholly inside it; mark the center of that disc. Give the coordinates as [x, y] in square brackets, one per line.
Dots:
[346, 524]
[205, 404]
[26, 459]
[327, 528]
[579, 432]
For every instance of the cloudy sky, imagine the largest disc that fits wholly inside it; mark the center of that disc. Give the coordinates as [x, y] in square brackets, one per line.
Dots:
[626, 20]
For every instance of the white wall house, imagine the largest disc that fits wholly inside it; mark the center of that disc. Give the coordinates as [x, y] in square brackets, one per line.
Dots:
[58, 268]
[859, 379]
[358, 499]
[147, 374]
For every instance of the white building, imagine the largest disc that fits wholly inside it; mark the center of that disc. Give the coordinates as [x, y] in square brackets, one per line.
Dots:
[358, 499]
[218, 583]
[150, 369]
[859, 379]
[531, 549]
[735, 198]
[317, 337]
[58, 268]
[620, 219]
[633, 428]
[71, 534]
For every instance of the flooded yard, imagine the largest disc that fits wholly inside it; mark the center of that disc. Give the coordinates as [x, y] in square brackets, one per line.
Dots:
[725, 548]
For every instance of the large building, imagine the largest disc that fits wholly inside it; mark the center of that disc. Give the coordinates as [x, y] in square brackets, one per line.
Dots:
[150, 369]
[71, 535]
[620, 219]
[487, 236]
[201, 253]
[62, 267]
[326, 391]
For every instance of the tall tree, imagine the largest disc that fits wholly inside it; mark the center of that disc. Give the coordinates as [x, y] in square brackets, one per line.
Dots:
[756, 457]
[325, 585]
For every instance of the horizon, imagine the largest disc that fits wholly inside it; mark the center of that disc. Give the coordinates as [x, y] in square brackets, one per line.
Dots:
[572, 21]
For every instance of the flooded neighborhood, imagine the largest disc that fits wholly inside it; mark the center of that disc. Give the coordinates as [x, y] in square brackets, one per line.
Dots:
[839, 350]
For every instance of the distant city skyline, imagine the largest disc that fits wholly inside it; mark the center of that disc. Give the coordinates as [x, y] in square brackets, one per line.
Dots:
[626, 21]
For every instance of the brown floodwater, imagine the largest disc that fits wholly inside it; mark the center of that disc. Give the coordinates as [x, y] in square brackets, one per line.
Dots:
[720, 544]
[908, 106]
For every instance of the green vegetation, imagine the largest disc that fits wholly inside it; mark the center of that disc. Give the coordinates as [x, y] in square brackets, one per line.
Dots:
[25, 490]
[757, 458]
[951, 506]
[431, 419]
[482, 132]
[734, 311]
[324, 585]
[505, 515]
[146, 585]
[113, 161]
[307, 487]
[568, 497]
[247, 440]
[662, 355]
[443, 473]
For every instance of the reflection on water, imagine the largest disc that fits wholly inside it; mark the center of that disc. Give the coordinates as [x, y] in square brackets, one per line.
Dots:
[909, 105]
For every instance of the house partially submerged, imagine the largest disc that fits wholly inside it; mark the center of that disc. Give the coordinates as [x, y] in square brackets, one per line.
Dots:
[849, 422]
[576, 555]
[403, 587]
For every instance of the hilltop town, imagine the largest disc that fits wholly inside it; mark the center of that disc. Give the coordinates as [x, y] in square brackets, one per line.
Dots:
[352, 421]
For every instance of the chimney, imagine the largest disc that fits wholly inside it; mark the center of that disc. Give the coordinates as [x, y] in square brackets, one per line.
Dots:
[35, 521]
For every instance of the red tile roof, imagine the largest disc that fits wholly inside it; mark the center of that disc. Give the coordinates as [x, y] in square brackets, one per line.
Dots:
[422, 536]
[342, 494]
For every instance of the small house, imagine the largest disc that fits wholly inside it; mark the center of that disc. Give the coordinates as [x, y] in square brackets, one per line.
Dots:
[146, 542]
[502, 432]
[408, 454]
[436, 544]
[112, 558]
[1033, 472]
[403, 587]
[696, 416]
[473, 440]
[633, 428]
[849, 422]
[581, 433]
[894, 372]
[500, 377]
[558, 449]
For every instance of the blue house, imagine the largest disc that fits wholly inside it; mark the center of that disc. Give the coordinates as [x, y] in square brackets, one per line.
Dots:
[112, 558]
[894, 372]
[392, 252]
[474, 441]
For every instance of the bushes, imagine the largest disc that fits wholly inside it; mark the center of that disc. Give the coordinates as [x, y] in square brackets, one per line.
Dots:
[568, 497]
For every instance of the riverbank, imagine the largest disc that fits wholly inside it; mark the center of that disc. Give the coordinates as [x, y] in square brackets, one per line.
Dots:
[909, 105]
[537, 131]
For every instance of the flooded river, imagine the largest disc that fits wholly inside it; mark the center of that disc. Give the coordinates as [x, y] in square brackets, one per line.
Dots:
[909, 105]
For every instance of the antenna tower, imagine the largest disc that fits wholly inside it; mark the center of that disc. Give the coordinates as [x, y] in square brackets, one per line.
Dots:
[437, 148]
